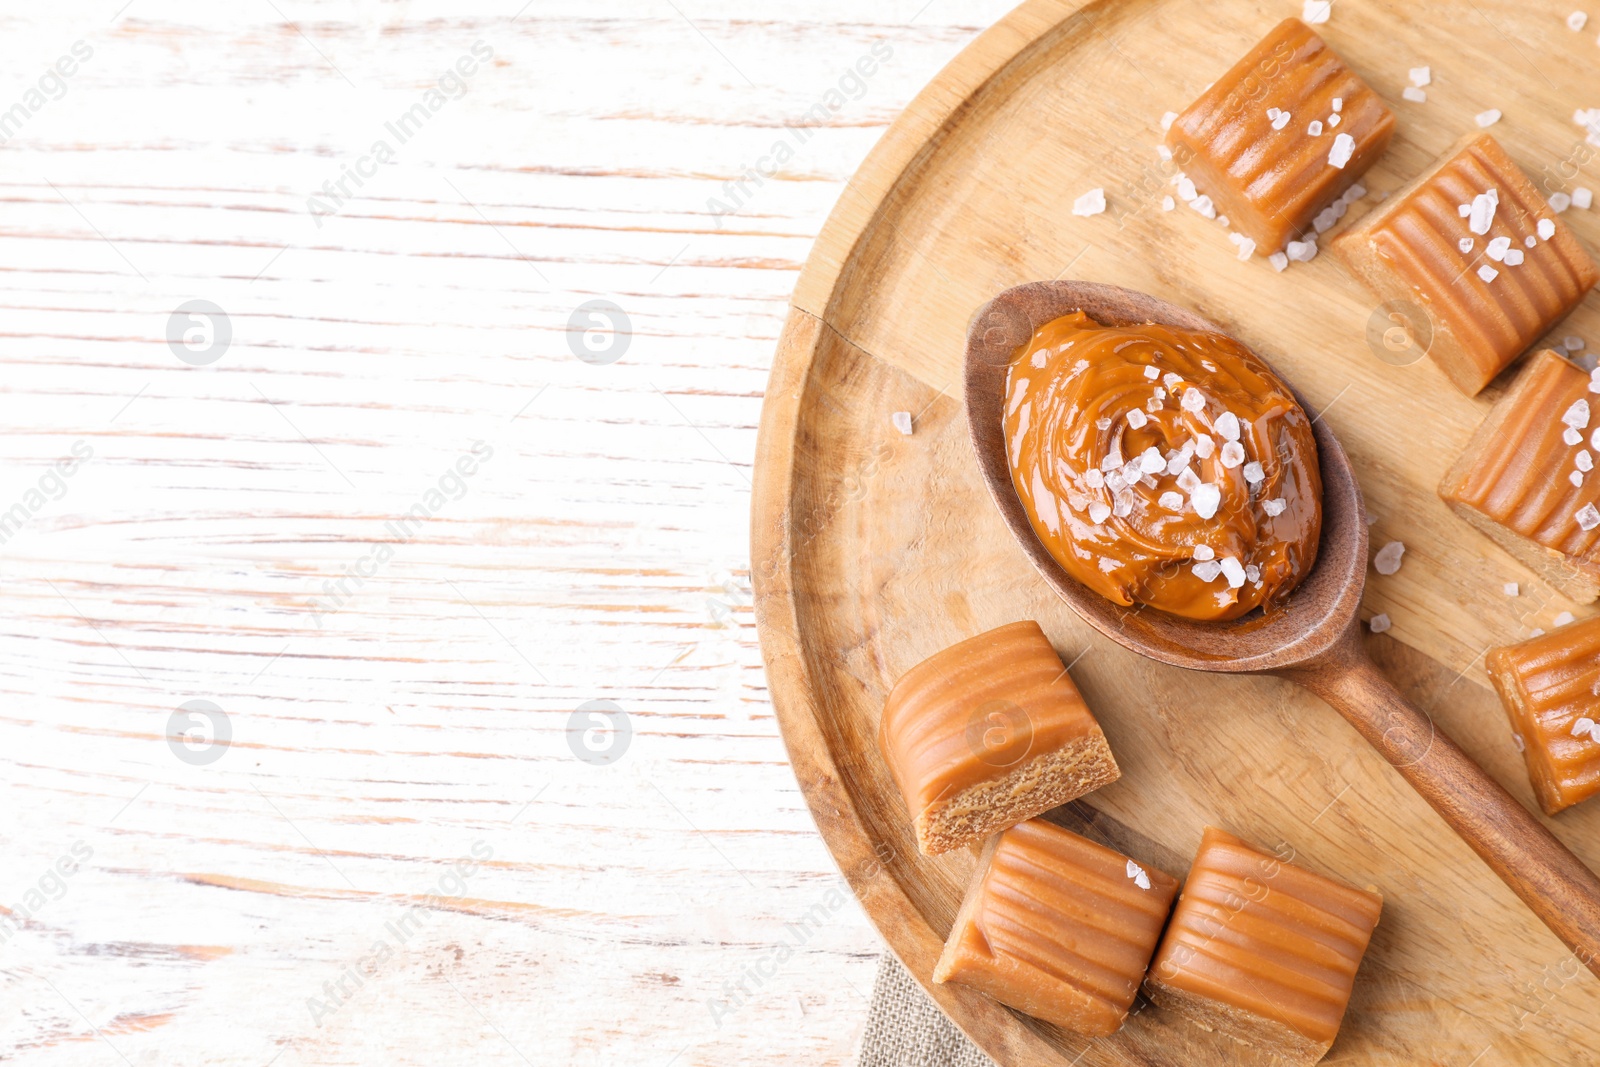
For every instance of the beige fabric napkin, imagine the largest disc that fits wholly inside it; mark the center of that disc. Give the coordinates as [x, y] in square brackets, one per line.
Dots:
[905, 1029]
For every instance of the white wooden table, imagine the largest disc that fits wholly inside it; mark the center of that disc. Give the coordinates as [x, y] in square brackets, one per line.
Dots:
[369, 507]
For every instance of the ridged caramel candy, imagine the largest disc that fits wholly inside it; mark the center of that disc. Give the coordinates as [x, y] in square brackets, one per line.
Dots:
[1515, 481]
[1262, 950]
[988, 733]
[1484, 312]
[1548, 687]
[1271, 176]
[1058, 927]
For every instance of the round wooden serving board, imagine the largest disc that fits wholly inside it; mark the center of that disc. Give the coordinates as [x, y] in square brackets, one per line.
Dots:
[873, 550]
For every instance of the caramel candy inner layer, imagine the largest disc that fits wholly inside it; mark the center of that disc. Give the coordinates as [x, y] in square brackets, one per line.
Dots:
[1258, 934]
[1059, 927]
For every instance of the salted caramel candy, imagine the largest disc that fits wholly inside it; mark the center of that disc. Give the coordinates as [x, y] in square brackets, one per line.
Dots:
[1527, 478]
[988, 733]
[1474, 242]
[1280, 138]
[1548, 687]
[1058, 927]
[1261, 950]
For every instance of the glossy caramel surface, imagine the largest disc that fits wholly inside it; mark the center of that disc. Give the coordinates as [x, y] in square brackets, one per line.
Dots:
[1271, 181]
[1091, 409]
[1518, 470]
[1548, 687]
[1257, 933]
[1060, 928]
[1493, 318]
[976, 711]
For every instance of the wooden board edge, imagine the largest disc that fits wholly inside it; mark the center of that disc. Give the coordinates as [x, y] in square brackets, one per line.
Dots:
[910, 134]
[993, 1028]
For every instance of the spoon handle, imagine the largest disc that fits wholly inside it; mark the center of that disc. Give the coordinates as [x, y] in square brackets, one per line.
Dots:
[1553, 882]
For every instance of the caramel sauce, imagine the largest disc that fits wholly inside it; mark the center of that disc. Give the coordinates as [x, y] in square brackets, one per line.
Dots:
[1230, 519]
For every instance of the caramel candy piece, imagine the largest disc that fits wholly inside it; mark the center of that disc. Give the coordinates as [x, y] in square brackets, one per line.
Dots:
[1487, 292]
[1268, 173]
[1058, 927]
[1515, 481]
[1262, 950]
[1548, 687]
[988, 733]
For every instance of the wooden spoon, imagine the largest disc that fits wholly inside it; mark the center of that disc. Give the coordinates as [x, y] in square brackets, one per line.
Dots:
[1313, 639]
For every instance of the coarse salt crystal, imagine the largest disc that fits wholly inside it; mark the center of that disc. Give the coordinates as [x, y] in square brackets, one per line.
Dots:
[1481, 215]
[1573, 343]
[1559, 202]
[1421, 76]
[1279, 261]
[1573, 437]
[1140, 878]
[1488, 118]
[1205, 498]
[1379, 623]
[1122, 505]
[1222, 220]
[1587, 518]
[1188, 480]
[1333, 120]
[1194, 401]
[1562, 619]
[1204, 445]
[1227, 426]
[1583, 198]
[1253, 472]
[1204, 206]
[1511, 589]
[1387, 558]
[1233, 570]
[1136, 419]
[1576, 21]
[1151, 460]
[1167, 203]
[1344, 146]
[1098, 513]
[1186, 189]
[1354, 193]
[1171, 501]
[1496, 249]
[1167, 120]
[1207, 570]
[1465, 244]
[1463, 210]
[1577, 416]
[1301, 251]
[1531, 241]
[1415, 95]
[1204, 552]
[1576, 478]
[1338, 103]
[1583, 727]
[1275, 506]
[1247, 248]
[1093, 478]
[1488, 273]
[1316, 12]
[902, 422]
[1547, 229]
[1280, 120]
[1253, 573]
[1232, 454]
[1091, 203]
[1514, 257]
[1315, 128]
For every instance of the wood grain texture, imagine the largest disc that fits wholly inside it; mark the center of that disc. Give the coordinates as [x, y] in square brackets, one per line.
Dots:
[600, 554]
[874, 550]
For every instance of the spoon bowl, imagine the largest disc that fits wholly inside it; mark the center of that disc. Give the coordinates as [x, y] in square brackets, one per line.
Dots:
[1312, 638]
[1320, 610]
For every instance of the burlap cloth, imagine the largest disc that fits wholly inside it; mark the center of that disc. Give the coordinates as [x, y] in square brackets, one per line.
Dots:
[904, 1029]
